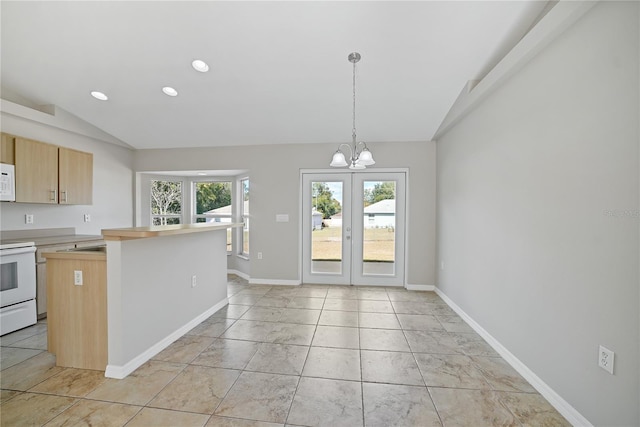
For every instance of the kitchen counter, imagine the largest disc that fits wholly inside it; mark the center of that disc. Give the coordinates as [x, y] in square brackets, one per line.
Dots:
[56, 240]
[46, 236]
[48, 240]
[163, 230]
[161, 283]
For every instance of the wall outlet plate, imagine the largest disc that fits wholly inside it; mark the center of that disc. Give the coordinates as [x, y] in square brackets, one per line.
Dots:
[77, 277]
[194, 281]
[87, 217]
[28, 219]
[605, 359]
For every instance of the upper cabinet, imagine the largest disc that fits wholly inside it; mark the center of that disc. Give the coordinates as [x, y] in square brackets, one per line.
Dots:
[7, 149]
[75, 177]
[36, 171]
[46, 173]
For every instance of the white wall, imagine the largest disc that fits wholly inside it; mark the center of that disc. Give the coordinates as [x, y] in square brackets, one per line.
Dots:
[538, 202]
[274, 172]
[112, 181]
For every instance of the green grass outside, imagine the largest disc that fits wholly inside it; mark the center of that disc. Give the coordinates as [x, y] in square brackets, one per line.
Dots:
[379, 244]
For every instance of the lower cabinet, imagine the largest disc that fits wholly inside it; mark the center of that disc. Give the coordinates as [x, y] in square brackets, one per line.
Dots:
[41, 270]
[77, 309]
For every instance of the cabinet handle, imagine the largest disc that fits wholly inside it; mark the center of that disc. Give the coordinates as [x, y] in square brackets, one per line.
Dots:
[65, 195]
[55, 195]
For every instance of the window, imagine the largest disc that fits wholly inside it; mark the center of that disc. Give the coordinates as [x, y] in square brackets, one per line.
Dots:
[166, 202]
[244, 214]
[213, 204]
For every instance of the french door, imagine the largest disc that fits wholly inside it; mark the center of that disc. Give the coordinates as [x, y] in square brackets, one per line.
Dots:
[353, 228]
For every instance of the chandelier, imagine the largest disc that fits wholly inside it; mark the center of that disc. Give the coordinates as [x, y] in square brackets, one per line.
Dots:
[359, 155]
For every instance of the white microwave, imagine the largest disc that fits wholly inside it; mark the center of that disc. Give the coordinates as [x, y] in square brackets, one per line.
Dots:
[7, 183]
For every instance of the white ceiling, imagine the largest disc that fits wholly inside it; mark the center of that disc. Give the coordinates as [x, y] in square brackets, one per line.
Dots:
[279, 70]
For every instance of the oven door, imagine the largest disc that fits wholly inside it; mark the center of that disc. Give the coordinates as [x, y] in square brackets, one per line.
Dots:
[17, 275]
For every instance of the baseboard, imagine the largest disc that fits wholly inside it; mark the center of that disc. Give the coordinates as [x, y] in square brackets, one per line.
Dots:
[410, 287]
[238, 273]
[561, 405]
[274, 282]
[121, 371]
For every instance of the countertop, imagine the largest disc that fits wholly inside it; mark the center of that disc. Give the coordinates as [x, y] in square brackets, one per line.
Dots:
[55, 240]
[163, 230]
[97, 254]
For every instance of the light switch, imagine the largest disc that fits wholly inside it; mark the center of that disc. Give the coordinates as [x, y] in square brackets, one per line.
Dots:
[282, 217]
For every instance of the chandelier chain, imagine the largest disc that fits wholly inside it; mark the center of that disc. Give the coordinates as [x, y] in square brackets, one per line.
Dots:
[354, 103]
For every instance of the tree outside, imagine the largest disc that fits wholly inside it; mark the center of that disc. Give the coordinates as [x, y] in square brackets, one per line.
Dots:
[166, 202]
[323, 200]
[212, 195]
[381, 191]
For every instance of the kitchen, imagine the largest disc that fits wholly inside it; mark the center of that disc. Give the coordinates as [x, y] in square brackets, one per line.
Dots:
[59, 226]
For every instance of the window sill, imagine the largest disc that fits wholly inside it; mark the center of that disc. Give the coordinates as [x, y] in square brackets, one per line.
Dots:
[243, 256]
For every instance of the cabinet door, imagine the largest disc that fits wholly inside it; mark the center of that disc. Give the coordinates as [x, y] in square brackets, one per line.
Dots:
[36, 171]
[76, 177]
[6, 149]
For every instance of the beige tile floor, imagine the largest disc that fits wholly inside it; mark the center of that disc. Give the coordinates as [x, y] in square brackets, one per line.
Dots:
[296, 356]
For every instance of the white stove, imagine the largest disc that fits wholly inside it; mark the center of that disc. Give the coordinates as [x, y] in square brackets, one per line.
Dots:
[17, 286]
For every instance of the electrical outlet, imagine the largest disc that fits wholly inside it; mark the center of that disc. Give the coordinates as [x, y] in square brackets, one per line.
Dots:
[194, 281]
[605, 359]
[28, 219]
[87, 217]
[77, 277]
[259, 255]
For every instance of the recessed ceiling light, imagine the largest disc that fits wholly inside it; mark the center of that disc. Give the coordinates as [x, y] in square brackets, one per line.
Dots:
[99, 95]
[200, 65]
[170, 91]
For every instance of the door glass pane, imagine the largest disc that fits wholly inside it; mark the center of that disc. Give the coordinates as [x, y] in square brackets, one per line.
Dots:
[326, 226]
[379, 227]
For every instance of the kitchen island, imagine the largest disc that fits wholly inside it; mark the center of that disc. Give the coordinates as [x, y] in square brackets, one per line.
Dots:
[160, 283]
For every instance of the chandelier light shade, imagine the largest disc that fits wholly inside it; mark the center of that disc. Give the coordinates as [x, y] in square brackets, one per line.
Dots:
[359, 155]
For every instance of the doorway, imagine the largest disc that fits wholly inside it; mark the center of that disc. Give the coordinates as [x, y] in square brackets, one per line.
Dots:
[353, 226]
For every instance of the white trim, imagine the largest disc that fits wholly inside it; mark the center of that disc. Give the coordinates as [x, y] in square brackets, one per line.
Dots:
[560, 17]
[420, 287]
[120, 372]
[274, 282]
[238, 273]
[351, 171]
[567, 411]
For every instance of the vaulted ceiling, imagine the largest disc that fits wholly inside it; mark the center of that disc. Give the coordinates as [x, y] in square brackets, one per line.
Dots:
[278, 70]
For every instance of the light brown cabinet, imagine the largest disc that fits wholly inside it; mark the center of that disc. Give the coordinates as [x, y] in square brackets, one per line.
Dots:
[41, 269]
[75, 173]
[77, 321]
[46, 173]
[6, 149]
[36, 171]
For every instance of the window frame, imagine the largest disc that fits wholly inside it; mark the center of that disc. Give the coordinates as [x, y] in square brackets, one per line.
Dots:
[244, 217]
